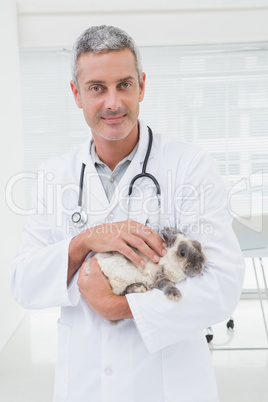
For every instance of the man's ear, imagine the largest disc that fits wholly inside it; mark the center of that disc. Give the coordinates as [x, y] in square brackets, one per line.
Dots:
[76, 94]
[142, 87]
[169, 235]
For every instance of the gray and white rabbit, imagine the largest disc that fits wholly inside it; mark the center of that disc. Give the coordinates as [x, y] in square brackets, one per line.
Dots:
[184, 258]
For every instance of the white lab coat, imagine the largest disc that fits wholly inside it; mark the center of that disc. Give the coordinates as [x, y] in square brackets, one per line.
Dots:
[161, 355]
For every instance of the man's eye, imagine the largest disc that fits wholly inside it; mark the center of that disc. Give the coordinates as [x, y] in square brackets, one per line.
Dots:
[126, 84]
[95, 88]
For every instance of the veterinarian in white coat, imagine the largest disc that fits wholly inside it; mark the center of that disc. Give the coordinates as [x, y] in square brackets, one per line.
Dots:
[158, 352]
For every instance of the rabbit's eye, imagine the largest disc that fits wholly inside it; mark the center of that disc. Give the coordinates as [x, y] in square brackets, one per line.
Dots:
[182, 249]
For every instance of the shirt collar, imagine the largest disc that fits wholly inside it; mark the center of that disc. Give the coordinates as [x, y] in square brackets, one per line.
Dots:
[96, 159]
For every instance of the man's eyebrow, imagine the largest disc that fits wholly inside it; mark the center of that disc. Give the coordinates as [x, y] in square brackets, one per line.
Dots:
[129, 77]
[94, 82]
[126, 78]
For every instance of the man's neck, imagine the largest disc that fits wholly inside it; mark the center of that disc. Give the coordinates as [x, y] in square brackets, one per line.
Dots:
[113, 152]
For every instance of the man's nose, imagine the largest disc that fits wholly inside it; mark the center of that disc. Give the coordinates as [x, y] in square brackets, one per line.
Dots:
[113, 101]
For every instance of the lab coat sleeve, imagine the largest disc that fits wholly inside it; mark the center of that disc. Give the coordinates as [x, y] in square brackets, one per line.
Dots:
[39, 270]
[212, 297]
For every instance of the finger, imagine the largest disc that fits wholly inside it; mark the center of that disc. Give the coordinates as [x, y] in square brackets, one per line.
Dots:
[128, 252]
[143, 247]
[85, 268]
[153, 240]
[94, 265]
[95, 268]
[82, 277]
[88, 268]
[157, 243]
[139, 244]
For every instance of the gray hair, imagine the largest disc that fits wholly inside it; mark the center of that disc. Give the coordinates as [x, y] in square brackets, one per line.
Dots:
[103, 39]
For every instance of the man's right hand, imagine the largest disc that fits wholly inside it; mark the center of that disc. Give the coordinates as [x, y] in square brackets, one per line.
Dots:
[116, 236]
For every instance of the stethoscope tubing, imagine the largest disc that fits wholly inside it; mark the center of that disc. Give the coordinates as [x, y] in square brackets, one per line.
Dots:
[144, 166]
[81, 184]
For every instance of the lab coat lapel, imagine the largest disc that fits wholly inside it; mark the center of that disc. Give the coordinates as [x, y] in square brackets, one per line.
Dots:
[95, 201]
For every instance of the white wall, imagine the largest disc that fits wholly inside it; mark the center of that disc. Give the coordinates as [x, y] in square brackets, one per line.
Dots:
[11, 162]
[58, 23]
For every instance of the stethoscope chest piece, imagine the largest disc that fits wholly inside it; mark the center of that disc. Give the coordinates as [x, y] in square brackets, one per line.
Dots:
[79, 218]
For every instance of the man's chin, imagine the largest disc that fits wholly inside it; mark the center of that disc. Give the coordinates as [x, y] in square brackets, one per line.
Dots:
[115, 131]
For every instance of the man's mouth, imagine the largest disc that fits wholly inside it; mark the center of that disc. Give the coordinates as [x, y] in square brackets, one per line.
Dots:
[114, 119]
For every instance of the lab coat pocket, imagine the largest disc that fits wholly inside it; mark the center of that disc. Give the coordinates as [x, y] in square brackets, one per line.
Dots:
[187, 367]
[62, 365]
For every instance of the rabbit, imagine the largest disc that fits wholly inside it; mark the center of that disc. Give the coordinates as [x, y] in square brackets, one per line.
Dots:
[184, 258]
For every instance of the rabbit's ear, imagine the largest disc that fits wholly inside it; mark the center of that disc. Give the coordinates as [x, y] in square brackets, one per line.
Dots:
[169, 235]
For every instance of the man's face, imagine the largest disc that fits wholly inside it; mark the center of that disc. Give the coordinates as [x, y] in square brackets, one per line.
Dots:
[109, 93]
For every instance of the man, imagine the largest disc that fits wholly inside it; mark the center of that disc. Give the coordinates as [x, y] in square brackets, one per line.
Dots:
[158, 352]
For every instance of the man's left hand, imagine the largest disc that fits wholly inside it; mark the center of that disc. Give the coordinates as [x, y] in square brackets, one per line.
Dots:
[97, 292]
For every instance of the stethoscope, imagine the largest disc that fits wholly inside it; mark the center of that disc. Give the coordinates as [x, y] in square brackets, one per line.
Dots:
[79, 217]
